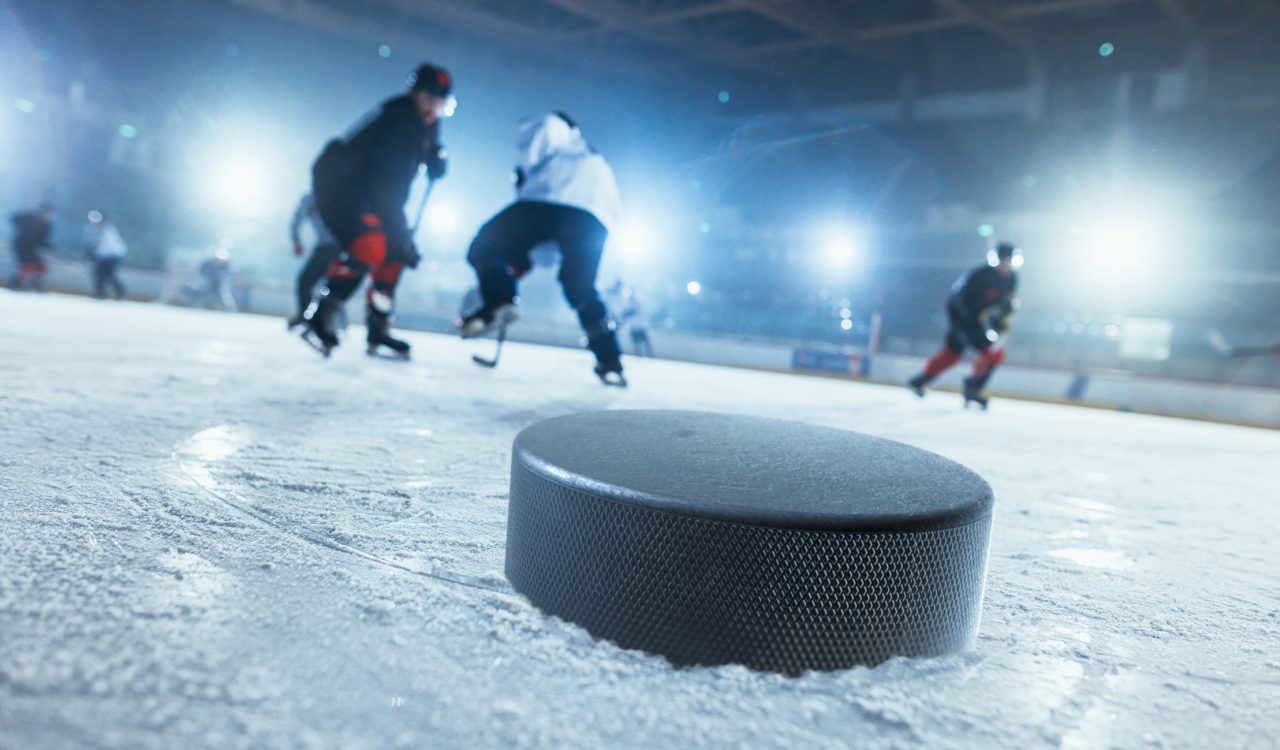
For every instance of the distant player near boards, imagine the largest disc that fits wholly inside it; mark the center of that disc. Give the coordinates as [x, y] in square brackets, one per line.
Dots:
[32, 232]
[104, 246]
[361, 183]
[566, 193]
[978, 313]
[628, 312]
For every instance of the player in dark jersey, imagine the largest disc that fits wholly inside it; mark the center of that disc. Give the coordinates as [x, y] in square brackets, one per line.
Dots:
[360, 183]
[32, 232]
[978, 312]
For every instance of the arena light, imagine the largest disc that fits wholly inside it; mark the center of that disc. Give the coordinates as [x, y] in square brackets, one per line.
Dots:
[842, 248]
[442, 218]
[634, 241]
[238, 186]
[243, 167]
[693, 288]
[1126, 242]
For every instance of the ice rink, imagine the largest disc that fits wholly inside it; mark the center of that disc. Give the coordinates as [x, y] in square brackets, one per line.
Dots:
[211, 537]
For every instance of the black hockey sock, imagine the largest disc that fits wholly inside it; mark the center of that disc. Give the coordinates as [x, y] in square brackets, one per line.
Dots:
[379, 329]
[602, 340]
[979, 382]
[340, 289]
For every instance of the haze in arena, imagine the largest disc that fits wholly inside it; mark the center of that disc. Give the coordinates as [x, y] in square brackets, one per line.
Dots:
[553, 373]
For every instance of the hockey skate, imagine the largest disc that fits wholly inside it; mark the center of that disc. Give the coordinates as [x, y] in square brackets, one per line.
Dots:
[318, 331]
[916, 385]
[485, 320]
[973, 394]
[399, 350]
[379, 336]
[316, 340]
[610, 373]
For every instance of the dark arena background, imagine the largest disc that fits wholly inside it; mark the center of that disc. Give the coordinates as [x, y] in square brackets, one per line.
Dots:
[211, 536]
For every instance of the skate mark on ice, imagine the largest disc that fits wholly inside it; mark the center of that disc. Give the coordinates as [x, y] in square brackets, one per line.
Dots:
[196, 454]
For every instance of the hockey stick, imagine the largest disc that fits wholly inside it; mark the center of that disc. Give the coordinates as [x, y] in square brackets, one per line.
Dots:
[422, 207]
[1225, 349]
[1254, 351]
[492, 363]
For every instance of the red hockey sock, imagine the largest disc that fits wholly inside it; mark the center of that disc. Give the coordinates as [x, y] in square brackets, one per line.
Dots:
[989, 359]
[939, 363]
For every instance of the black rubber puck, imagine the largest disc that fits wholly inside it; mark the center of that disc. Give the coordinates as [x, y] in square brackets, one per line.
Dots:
[714, 539]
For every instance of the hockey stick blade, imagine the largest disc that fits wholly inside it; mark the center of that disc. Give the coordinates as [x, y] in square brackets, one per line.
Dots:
[1224, 348]
[497, 352]
[1219, 342]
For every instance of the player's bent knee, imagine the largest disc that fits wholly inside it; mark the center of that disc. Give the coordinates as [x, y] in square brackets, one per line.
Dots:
[370, 248]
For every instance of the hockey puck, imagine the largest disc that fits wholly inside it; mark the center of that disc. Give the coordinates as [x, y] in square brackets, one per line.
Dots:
[720, 539]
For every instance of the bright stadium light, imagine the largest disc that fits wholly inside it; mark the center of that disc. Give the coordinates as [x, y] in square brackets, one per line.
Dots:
[693, 288]
[243, 167]
[842, 248]
[634, 241]
[442, 218]
[238, 186]
[1126, 242]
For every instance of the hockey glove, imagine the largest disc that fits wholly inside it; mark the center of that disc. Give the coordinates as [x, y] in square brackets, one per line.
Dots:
[411, 255]
[437, 162]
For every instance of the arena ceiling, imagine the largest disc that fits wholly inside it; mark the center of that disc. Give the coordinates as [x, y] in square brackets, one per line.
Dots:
[813, 46]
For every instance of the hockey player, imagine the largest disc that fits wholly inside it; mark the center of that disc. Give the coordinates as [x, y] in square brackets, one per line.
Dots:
[978, 313]
[360, 183]
[628, 312]
[32, 233]
[324, 252]
[566, 193]
[215, 278]
[106, 249]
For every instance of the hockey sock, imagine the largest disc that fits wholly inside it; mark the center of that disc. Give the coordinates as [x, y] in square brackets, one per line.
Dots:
[341, 287]
[602, 340]
[990, 358]
[939, 363]
[984, 367]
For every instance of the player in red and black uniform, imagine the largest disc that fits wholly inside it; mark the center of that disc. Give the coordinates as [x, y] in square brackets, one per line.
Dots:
[978, 313]
[32, 231]
[361, 183]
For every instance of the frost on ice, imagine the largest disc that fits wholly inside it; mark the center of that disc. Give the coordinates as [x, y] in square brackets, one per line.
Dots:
[210, 537]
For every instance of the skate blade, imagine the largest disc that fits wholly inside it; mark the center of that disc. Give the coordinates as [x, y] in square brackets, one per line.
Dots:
[309, 338]
[393, 355]
[613, 380]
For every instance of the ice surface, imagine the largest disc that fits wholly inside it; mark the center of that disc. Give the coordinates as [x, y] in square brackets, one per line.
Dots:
[211, 537]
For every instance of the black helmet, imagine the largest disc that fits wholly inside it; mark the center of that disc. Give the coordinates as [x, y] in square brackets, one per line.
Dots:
[431, 79]
[1006, 250]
